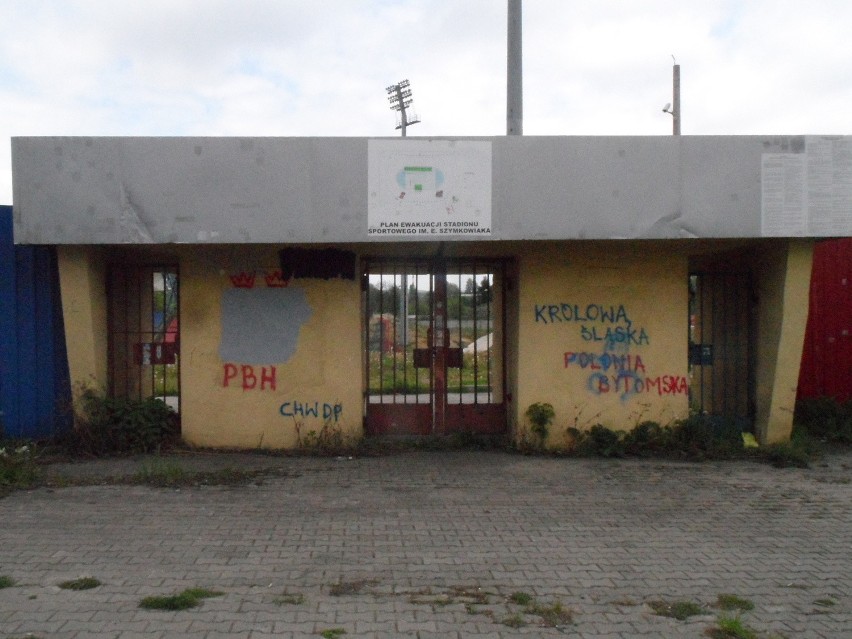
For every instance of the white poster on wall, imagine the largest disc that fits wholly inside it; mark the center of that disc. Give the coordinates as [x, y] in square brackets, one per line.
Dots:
[429, 189]
[808, 194]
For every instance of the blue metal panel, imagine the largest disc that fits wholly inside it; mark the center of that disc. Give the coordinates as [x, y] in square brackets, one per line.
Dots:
[9, 419]
[34, 388]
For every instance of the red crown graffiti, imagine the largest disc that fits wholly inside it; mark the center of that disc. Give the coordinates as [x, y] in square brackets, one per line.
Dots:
[275, 279]
[243, 280]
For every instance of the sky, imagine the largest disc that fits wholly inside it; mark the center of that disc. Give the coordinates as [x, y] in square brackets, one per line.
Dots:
[308, 68]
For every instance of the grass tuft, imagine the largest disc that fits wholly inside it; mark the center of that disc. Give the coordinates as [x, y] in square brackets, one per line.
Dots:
[733, 602]
[189, 598]
[680, 610]
[291, 599]
[731, 628]
[6, 581]
[83, 583]
[521, 598]
[350, 587]
[515, 620]
[553, 616]
[825, 603]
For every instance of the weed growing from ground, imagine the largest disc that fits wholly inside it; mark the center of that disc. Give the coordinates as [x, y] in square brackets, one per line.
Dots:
[521, 598]
[680, 610]
[332, 633]
[825, 603]
[825, 419]
[733, 602]
[350, 587]
[515, 620]
[291, 599]
[627, 601]
[189, 598]
[6, 581]
[83, 583]
[553, 616]
[541, 417]
[107, 425]
[469, 594]
[160, 472]
[18, 467]
[731, 628]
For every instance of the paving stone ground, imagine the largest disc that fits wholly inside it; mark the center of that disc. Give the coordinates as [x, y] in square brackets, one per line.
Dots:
[434, 544]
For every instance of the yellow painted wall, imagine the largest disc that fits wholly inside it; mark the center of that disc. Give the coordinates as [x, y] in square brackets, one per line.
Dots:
[233, 403]
[557, 350]
[83, 291]
[784, 275]
[563, 354]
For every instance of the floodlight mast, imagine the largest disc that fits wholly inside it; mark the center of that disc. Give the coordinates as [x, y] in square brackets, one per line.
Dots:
[399, 96]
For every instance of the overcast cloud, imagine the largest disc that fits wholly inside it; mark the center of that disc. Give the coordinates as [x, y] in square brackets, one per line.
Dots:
[306, 68]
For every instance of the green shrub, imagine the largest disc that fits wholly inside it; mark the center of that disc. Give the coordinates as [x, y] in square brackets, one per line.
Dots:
[825, 418]
[598, 441]
[796, 453]
[701, 436]
[646, 439]
[605, 442]
[108, 425]
[541, 417]
[18, 466]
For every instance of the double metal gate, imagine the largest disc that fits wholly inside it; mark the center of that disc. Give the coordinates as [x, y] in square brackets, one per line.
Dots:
[434, 346]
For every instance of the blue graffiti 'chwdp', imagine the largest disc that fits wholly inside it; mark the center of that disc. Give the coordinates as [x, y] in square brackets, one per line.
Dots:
[312, 409]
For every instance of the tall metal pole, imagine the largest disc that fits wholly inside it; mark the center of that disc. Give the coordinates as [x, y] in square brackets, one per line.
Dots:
[676, 99]
[514, 72]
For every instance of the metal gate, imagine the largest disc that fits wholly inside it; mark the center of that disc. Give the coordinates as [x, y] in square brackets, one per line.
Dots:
[721, 353]
[434, 345]
[144, 333]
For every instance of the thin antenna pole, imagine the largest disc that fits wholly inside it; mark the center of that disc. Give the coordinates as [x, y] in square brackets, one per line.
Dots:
[676, 99]
[514, 72]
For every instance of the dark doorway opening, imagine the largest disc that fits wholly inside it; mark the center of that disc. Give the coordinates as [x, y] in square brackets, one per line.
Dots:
[144, 332]
[721, 346]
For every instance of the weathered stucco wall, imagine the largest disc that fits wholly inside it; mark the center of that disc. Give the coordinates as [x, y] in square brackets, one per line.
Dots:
[264, 365]
[597, 329]
[784, 275]
[602, 334]
[84, 309]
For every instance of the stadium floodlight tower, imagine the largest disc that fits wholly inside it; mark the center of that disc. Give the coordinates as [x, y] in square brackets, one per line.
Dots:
[399, 96]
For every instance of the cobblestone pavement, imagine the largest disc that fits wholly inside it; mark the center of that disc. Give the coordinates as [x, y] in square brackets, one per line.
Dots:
[434, 545]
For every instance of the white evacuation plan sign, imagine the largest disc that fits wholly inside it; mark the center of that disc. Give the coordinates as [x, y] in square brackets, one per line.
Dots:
[428, 189]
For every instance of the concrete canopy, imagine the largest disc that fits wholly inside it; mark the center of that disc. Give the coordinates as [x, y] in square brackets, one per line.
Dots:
[114, 190]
